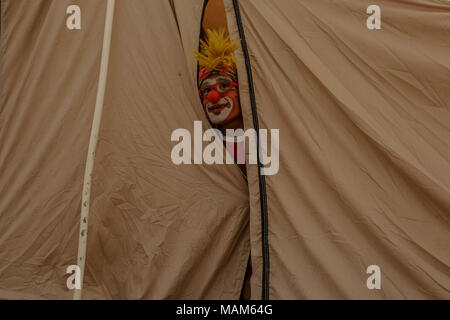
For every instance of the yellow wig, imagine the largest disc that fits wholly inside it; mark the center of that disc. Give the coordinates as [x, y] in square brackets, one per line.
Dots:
[217, 52]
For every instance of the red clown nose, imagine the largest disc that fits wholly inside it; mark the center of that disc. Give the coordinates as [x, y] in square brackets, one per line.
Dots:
[213, 96]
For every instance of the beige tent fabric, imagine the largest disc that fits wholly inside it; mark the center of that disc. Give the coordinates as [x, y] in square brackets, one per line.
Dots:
[364, 152]
[364, 146]
[156, 230]
[48, 86]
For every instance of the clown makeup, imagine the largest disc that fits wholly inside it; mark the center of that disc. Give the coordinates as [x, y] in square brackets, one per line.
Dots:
[221, 105]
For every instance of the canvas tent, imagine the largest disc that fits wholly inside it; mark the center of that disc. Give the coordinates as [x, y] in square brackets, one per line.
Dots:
[364, 178]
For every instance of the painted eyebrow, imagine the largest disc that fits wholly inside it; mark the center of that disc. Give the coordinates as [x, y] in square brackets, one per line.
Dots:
[223, 79]
[207, 82]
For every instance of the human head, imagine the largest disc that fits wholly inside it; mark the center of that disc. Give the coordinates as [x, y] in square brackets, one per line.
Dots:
[218, 84]
[220, 98]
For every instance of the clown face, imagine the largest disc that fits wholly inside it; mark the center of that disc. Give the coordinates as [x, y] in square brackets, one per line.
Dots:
[220, 100]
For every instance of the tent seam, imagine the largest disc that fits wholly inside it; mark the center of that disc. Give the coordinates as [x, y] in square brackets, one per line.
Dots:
[265, 295]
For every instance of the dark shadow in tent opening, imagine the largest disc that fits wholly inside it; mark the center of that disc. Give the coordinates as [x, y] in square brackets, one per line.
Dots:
[214, 18]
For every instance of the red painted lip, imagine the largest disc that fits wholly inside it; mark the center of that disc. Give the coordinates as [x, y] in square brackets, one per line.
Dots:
[218, 107]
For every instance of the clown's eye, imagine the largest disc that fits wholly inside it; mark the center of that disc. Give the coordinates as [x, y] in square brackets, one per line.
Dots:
[224, 86]
[205, 91]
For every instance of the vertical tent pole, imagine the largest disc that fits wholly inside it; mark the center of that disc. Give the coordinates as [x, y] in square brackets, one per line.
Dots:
[85, 202]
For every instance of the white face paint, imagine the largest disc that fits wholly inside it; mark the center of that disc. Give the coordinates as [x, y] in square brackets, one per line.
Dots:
[218, 112]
